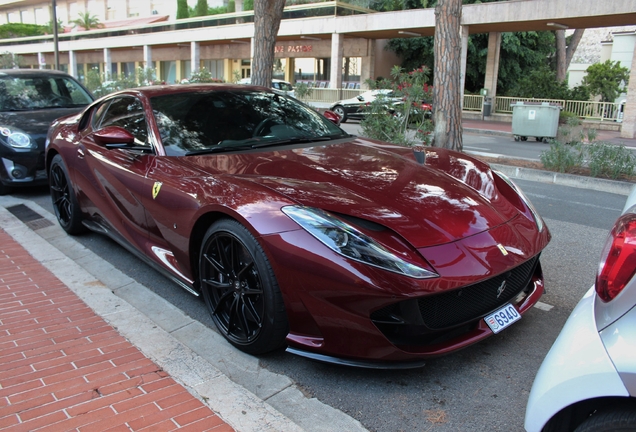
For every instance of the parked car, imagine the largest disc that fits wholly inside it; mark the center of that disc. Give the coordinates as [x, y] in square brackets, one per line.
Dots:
[279, 86]
[587, 381]
[29, 101]
[295, 232]
[354, 108]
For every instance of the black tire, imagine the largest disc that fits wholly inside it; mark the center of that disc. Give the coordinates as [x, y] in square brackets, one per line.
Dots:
[240, 289]
[516, 138]
[4, 190]
[65, 203]
[524, 138]
[339, 109]
[613, 420]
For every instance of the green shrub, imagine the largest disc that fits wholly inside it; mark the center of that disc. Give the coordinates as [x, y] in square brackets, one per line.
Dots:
[17, 30]
[391, 121]
[564, 116]
[563, 157]
[609, 160]
[302, 90]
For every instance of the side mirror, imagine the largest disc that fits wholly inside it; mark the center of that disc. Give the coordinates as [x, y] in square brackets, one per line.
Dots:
[332, 116]
[114, 137]
[360, 98]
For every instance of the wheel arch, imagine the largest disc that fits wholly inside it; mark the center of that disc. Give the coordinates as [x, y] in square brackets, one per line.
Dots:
[199, 229]
[570, 417]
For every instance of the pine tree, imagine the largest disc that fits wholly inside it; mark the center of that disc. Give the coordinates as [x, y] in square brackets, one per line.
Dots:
[182, 9]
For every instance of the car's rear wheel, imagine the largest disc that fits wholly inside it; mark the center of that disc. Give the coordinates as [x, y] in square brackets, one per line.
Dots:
[338, 109]
[613, 420]
[65, 203]
[240, 289]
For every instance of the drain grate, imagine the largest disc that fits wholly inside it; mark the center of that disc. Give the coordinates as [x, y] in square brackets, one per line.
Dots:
[31, 218]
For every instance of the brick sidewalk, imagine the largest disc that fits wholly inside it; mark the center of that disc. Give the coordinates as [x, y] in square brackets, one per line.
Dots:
[63, 368]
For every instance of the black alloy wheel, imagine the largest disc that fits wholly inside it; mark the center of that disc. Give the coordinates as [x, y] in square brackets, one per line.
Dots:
[240, 289]
[65, 204]
[339, 109]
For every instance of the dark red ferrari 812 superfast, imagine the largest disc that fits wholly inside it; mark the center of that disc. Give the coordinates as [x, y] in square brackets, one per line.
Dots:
[295, 233]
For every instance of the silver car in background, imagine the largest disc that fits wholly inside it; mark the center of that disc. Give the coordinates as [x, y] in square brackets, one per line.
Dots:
[587, 381]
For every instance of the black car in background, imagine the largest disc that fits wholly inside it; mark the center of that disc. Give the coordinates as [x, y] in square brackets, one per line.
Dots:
[30, 99]
[354, 108]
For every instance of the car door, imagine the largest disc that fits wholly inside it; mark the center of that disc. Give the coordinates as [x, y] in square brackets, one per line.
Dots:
[111, 180]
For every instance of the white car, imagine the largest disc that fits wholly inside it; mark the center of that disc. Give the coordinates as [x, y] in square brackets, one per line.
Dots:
[279, 86]
[587, 381]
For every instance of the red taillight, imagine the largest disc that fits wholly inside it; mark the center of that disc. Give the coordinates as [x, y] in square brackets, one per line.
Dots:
[618, 260]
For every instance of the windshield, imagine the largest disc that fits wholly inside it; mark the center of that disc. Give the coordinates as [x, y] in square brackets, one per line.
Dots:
[219, 120]
[40, 92]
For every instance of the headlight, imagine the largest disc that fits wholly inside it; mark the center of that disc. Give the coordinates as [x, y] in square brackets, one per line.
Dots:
[537, 219]
[15, 138]
[351, 243]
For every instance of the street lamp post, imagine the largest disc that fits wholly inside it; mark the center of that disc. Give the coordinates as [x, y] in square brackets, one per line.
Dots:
[55, 41]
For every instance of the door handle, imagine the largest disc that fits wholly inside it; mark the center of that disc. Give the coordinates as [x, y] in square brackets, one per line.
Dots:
[80, 153]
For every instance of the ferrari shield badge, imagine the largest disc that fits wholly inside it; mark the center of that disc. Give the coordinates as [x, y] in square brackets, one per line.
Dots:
[155, 189]
[500, 246]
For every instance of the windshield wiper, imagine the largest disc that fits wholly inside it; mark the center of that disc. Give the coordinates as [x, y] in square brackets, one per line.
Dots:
[255, 143]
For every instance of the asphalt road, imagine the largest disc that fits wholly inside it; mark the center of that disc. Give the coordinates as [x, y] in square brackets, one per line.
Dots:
[484, 387]
[484, 145]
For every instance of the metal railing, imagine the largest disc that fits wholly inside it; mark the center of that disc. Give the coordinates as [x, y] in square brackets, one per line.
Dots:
[587, 110]
[473, 103]
[329, 95]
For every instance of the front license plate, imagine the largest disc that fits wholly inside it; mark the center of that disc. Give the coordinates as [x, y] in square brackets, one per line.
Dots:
[502, 318]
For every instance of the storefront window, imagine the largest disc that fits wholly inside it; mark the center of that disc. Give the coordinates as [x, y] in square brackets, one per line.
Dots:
[128, 69]
[215, 67]
[168, 72]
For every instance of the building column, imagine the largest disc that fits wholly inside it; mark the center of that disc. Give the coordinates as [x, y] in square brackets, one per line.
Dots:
[72, 64]
[147, 57]
[289, 70]
[628, 128]
[492, 63]
[462, 79]
[367, 68]
[108, 64]
[195, 56]
[337, 51]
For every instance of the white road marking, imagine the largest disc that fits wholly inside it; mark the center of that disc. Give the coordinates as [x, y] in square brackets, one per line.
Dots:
[543, 306]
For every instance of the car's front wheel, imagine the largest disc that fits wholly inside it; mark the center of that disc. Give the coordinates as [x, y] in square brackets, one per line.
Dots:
[65, 203]
[612, 420]
[339, 109]
[240, 289]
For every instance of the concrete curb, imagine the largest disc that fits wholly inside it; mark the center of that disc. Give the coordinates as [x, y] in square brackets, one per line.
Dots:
[231, 383]
[489, 132]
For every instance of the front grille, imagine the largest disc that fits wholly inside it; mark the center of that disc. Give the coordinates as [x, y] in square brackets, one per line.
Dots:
[453, 308]
[474, 301]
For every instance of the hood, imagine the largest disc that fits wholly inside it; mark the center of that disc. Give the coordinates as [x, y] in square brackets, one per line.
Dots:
[450, 196]
[35, 122]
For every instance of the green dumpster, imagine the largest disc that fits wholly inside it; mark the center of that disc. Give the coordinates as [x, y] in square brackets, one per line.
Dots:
[535, 119]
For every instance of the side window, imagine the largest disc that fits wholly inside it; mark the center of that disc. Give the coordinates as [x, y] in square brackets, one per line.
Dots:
[127, 113]
[99, 114]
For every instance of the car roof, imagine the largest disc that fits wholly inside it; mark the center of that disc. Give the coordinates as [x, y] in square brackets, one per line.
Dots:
[32, 73]
[160, 90]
